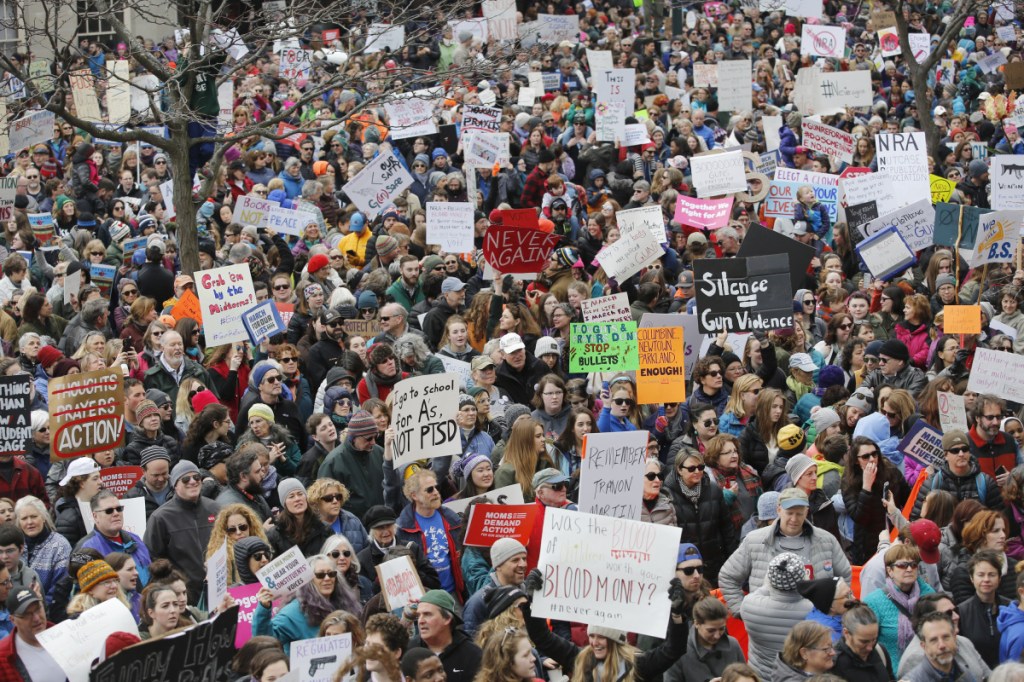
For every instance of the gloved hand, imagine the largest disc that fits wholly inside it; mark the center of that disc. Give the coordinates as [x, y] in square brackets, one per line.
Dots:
[660, 424]
[534, 581]
[675, 590]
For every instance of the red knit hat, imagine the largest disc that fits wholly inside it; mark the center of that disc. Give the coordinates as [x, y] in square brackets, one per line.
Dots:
[316, 262]
[202, 399]
[48, 355]
[117, 641]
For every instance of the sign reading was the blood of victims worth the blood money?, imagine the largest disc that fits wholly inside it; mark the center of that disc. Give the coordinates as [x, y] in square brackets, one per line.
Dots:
[86, 413]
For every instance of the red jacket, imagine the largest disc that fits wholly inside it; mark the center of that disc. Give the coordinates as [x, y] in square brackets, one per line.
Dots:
[25, 480]
[917, 342]
[10, 667]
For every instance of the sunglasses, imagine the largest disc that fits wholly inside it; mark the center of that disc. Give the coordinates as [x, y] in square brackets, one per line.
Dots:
[323, 575]
[262, 555]
[111, 511]
[287, 359]
[340, 552]
[624, 401]
[651, 475]
[868, 455]
[809, 301]
[274, 379]
[333, 497]
[904, 565]
[714, 373]
[691, 469]
[961, 450]
[889, 415]
[430, 489]
[557, 486]
[130, 292]
[708, 423]
[689, 570]
[282, 287]
[848, 325]
[240, 528]
[190, 478]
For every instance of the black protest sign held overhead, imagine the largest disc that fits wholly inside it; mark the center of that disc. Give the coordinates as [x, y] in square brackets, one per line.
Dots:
[743, 294]
[760, 241]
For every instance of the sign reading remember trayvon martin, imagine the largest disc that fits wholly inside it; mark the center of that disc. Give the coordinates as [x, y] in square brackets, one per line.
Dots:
[743, 294]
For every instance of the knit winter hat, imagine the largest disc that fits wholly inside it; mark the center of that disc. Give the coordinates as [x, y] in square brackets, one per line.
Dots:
[895, 349]
[182, 468]
[386, 245]
[798, 465]
[617, 636]
[944, 279]
[499, 599]
[505, 549]
[48, 355]
[244, 549]
[158, 397]
[93, 573]
[464, 467]
[829, 376]
[287, 487]
[261, 410]
[202, 399]
[823, 418]
[785, 572]
[260, 371]
[821, 592]
[317, 262]
[212, 454]
[146, 408]
[768, 506]
[362, 424]
[153, 453]
[512, 413]
[791, 439]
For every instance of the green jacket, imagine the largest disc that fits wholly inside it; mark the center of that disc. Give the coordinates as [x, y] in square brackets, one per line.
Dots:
[361, 472]
[400, 295]
[157, 377]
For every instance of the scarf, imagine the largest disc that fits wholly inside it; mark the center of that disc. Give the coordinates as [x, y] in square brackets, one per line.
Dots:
[905, 604]
[799, 389]
[691, 494]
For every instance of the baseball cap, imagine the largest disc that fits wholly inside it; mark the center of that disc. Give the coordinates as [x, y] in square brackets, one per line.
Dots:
[452, 284]
[696, 238]
[793, 497]
[951, 439]
[800, 227]
[926, 536]
[802, 361]
[510, 343]
[481, 362]
[83, 466]
[686, 280]
[548, 476]
[18, 601]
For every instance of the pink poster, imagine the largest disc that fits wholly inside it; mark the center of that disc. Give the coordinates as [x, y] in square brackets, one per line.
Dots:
[245, 597]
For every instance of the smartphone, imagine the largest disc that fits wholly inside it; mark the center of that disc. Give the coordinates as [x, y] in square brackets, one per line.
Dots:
[885, 491]
[1001, 470]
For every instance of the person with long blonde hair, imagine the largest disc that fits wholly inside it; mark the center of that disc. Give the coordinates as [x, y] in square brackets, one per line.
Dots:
[234, 522]
[507, 657]
[525, 455]
[741, 405]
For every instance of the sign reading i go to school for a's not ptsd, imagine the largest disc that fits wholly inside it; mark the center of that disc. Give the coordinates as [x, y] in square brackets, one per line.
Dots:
[224, 295]
[319, 658]
[905, 157]
[86, 413]
[375, 187]
[286, 574]
[611, 308]
[399, 582]
[450, 225]
[252, 210]
[661, 377]
[743, 294]
[15, 414]
[262, 321]
[952, 412]
[424, 418]
[603, 347]
[611, 474]
[605, 571]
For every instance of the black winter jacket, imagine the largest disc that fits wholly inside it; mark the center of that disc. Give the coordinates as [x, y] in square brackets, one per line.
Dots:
[707, 525]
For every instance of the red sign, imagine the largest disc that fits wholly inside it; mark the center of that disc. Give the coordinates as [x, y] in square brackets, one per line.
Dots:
[293, 139]
[488, 523]
[120, 480]
[517, 250]
[851, 171]
[330, 35]
[517, 217]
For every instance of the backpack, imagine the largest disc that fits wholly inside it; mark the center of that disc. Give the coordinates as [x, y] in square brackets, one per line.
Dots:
[980, 481]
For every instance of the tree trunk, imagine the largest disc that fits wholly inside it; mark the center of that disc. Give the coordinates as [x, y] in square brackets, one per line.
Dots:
[184, 208]
[919, 79]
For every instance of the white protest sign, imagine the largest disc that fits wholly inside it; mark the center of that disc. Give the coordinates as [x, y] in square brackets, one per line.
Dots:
[410, 117]
[735, 85]
[634, 134]
[554, 28]
[263, 321]
[167, 192]
[1007, 34]
[613, 308]
[885, 253]
[375, 187]
[705, 75]
[450, 225]
[252, 210]
[810, 9]
[317, 659]
[998, 237]
[399, 582]
[224, 294]
[226, 103]
[616, 85]
[510, 494]
[501, 19]
[889, 42]
[600, 60]
[527, 96]
[772, 124]
[611, 474]
[633, 251]
[289, 220]
[876, 187]
[31, 129]
[1003, 328]
[1006, 173]
[72, 284]
[483, 150]
[478, 27]
[119, 99]
[828, 140]
[381, 36]
[718, 174]
[920, 45]
[823, 41]
[74, 644]
[424, 418]
[83, 91]
[459, 368]
[648, 218]
[217, 576]
[905, 157]
[8, 191]
[295, 65]
[610, 118]
[606, 571]
[831, 92]
[286, 574]
[476, 117]
[991, 62]
[997, 373]
[915, 222]
[134, 515]
[952, 412]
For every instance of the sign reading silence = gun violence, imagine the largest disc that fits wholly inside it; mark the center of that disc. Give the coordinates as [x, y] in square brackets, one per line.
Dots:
[743, 294]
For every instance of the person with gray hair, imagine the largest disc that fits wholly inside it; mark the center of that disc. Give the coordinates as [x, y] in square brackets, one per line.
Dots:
[309, 200]
[291, 176]
[28, 351]
[49, 551]
[1011, 671]
[173, 367]
[92, 318]
[858, 658]
[415, 356]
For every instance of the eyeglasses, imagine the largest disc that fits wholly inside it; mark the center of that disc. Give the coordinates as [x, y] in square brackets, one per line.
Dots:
[282, 287]
[160, 163]
[111, 511]
[430, 489]
[624, 401]
[240, 528]
[340, 552]
[276, 378]
[130, 292]
[883, 361]
[261, 555]
[708, 423]
[714, 373]
[848, 325]
[869, 455]
[190, 478]
[904, 565]
[332, 497]
[991, 417]
[889, 415]
[651, 475]
[690, 570]
[961, 450]
[691, 469]
[323, 575]
[559, 487]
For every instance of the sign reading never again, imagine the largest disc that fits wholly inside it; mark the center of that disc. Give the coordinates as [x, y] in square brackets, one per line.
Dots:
[743, 294]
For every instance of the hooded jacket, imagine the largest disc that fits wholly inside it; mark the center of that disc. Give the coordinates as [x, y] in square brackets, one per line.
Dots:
[361, 472]
[699, 664]
[708, 524]
[769, 614]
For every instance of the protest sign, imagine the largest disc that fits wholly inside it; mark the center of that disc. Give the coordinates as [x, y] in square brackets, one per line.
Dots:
[134, 515]
[650, 218]
[871, 187]
[616, 85]
[825, 93]
[998, 373]
[83, 91]
[998, 237]
[961, 319]
[188, 307]
[991, 62]
[289, 221]
[692, 338]
[8, 188]
[86, 413]
[633, 251]
[263, 321]
[828, 140]
[477, 117]
[363, 328]
[715, 174]
[603, 347]
[15, 414]
[885, 253]
[72, 285]
[772, 124]
[610, 118]
[217, 576]
[956, 220]
[488, 523]
[167, 192]
[201, 652]
[735, 84]
[661, 378]
[120, 480]
[709, 213]
[705, 75]
[410, 117]
[286, 574]
[634, 134]
[483, 150]
[554, 28]
[794, 8]
[460, 369]
[905, 157]
[942, 189]
[74, 643]
[889, 42]
[225, 293]
[295, 65]
[823, 41]
[42, 226]
[119, 101]
[252, 210]
[916, 224]
[1014, 75]
[318, 659]
[510, 494]
[450, 225]
[781, 201]
[384, 36]
[245, 600]
[743, 294]
[375, 187]
[399, 582]
[501, 19]
[952, 412]
[31, 129]
[226, 102]
[612, 308]
[605, 571]
[513, 250]
[611, 474]
[102, 276]
[923, 444]
[600, 60]
[1006, 173]
[424, 418]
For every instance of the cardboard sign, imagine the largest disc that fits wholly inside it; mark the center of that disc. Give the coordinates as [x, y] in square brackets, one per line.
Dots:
[120, 480]
[295, 65]
[72, 285]
[31, 129]
[709, 213]
[998, 238]
[364, 328]
[885, 253]
[188, 307]
[15, 414]
[289, 221]
[762, 241]
[86, 413]
[952, 412]
[605, 571]
[662, 377]
[483, 150]
[905, 157]
[488, 523]
[424, 418]
[510, 494]
[318, 659]
[1006, 173]
[915, 223]
[399, 582]
[286, 574]
[612, 474]
[252, 210]
[828, 140]
[961, 319]
[743, 294]
[516, 250]
[73, 644]
[263, 321]
[375, 187]
[957, 220]
[134, 515]
[923, 444]
[613, 308]
[217, 575]
[42, 226]
[225, 293]
[715, 174]
[942, 189]
[476, 117]
[998, 373]
[823, 41]
[201, 652]
[450, 225]
[692, 338]
[501, 19]
[102, 276]
[616, 85]
[83, 90]
[603, 347]
[735, 85]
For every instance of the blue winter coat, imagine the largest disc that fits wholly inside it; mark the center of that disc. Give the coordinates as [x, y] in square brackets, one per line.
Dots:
[292, 186]
[289, 625]
[1011, 628]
